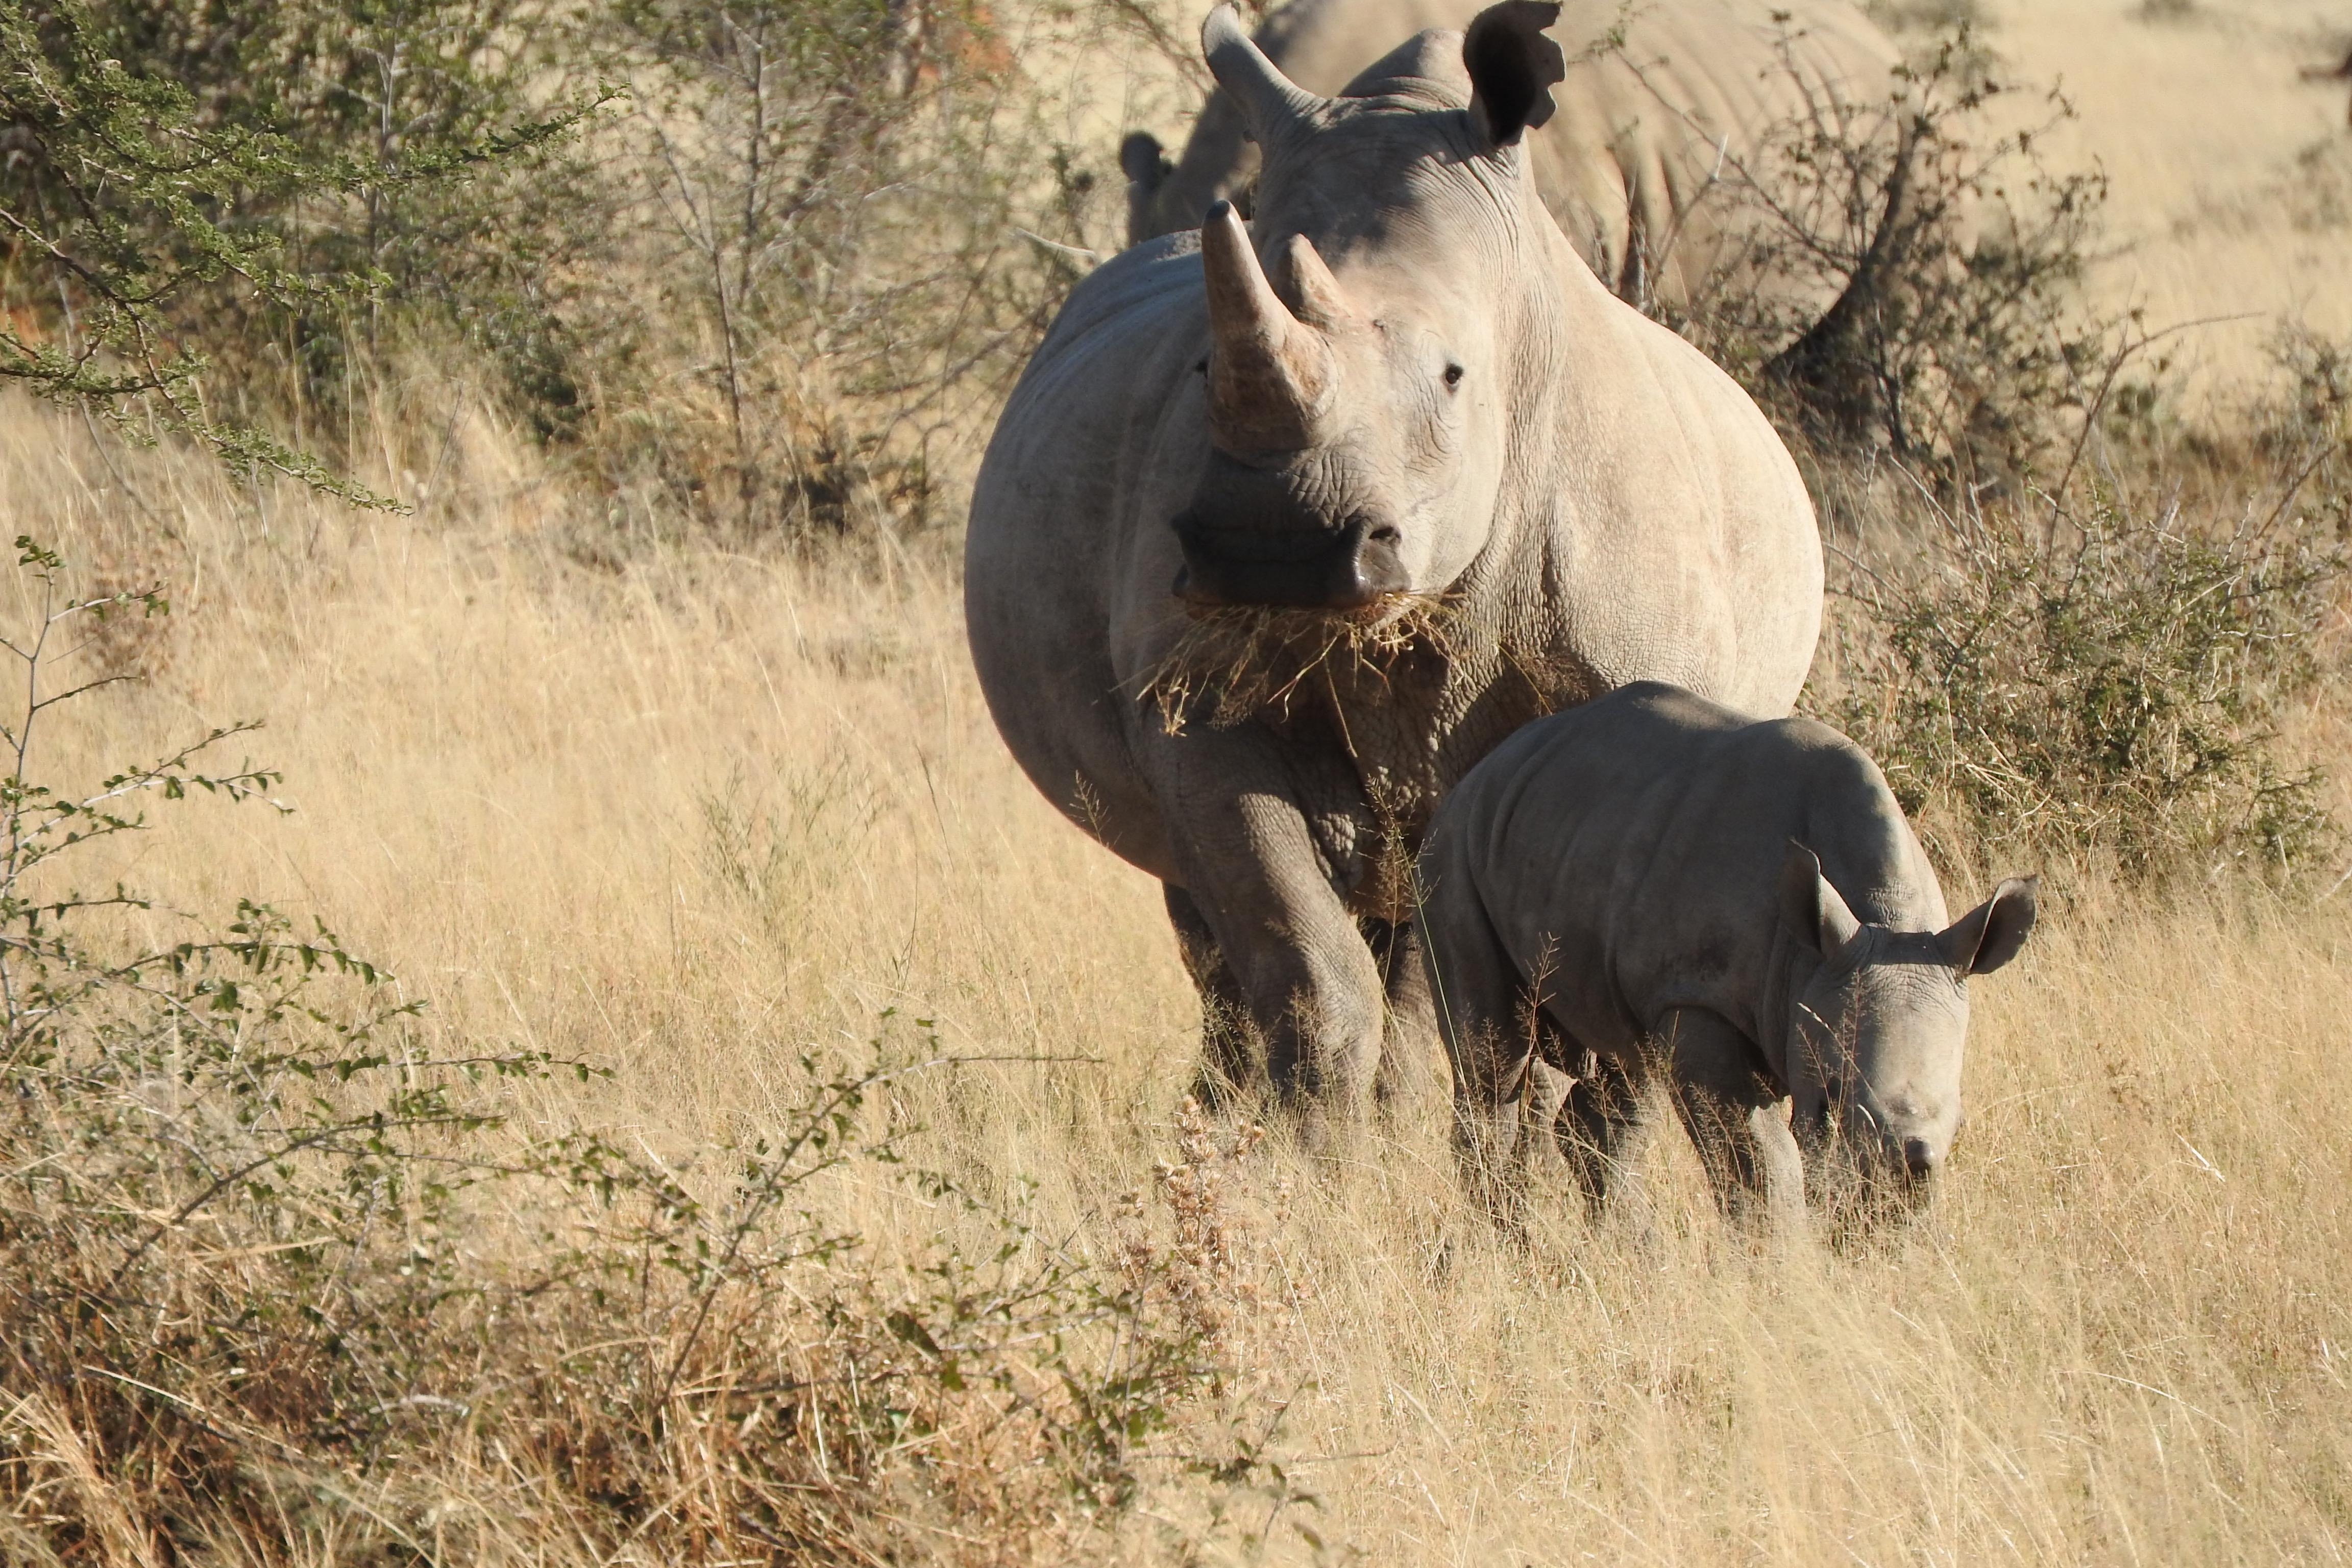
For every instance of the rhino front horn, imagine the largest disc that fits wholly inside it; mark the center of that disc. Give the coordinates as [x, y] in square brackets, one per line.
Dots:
[1270, 374]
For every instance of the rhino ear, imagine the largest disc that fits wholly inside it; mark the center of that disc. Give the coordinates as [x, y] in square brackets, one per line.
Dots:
[1989, 935]
[1512, 68]
[1147, 170]
[1141, 160]
[1811, 907]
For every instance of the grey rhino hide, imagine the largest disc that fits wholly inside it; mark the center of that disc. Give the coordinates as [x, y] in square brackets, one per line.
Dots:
[1651, 164]
[1425, 479]
[1652, 877]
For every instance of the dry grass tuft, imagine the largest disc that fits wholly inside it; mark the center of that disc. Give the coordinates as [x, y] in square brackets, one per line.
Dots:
[1232, 663]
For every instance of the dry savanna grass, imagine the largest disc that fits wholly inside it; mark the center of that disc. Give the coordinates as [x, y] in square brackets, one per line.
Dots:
[2232, 176]
[691, 816]
[698, 817]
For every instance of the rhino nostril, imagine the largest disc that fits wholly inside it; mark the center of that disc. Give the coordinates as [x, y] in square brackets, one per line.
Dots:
[1918, 1156]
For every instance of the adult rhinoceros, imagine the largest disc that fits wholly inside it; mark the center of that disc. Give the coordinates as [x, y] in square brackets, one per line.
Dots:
[1285, 528]
[1662, 160]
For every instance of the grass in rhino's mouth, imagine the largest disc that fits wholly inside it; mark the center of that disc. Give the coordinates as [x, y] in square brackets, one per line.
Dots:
[1235, 662]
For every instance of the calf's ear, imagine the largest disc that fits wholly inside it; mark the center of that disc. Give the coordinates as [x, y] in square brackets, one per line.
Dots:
[1812, 908]
[1512, 68]
[1989, 935]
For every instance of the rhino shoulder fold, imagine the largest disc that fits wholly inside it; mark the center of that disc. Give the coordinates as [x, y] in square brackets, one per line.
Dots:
[1679, 708]
[1831, 769]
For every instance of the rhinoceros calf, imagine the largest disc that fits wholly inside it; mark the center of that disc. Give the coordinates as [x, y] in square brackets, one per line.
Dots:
[1653, 882]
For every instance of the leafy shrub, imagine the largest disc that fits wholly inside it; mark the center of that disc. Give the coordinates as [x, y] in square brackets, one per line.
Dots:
[278, 1284]
[1959, 345]
[2303, 432]
[466, 177]
[856, 218]
[207, 206]
[2045, 660]
[803, 253]
[2107, 684]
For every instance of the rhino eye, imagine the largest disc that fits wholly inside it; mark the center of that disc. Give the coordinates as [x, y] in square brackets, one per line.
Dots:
[1453, 376]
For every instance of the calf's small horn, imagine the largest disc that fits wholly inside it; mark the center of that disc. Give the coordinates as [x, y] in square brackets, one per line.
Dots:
[1270, 374]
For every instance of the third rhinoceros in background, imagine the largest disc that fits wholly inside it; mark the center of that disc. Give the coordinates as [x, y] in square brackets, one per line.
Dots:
[1286, 527]
[1652, 166]
[1653, 882]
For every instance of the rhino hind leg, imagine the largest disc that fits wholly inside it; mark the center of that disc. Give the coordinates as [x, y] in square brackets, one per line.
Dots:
[1232, 1062]
[1734, 1114]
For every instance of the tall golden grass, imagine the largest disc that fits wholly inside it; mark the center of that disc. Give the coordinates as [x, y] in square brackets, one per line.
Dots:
[684, 816]
[2231, 177]
[684, 813]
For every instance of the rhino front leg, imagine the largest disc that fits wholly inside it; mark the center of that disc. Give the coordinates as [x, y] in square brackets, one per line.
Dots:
[1603, 1129]
[1228, 1054]
[1306, 981]
[1733, 1113]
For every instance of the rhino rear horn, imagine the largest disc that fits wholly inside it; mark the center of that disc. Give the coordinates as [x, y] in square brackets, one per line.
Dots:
[1270, 100]
[1513, 68]
[1270, 374]
[1306, 284]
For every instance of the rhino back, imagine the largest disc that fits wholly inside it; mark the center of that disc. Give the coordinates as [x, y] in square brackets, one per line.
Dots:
[1631, 849]
[1675, 558]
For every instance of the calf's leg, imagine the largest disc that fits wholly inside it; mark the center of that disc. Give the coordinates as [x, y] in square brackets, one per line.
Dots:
[1603, 1128]
[1733, 1113]
[1481, 1005]
[1411, 1055]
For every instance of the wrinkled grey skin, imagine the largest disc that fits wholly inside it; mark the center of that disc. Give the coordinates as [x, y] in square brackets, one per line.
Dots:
[1595, 502]
[1647, 162]
[1655, 882]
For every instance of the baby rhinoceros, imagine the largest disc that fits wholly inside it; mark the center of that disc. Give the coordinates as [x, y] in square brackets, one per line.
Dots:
[1655, 882]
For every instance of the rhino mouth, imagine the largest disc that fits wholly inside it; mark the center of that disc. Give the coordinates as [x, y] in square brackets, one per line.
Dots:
[1863, 1174]
[1230, 664]
[1351, 567]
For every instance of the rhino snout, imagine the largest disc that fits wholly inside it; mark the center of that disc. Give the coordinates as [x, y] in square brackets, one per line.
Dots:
[1351, 567]
[1898, 1138]
[1913, 1162]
